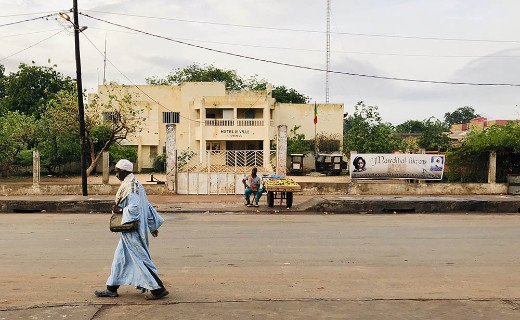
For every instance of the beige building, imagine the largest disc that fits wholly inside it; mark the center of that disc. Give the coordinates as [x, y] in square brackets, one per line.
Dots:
[208, 117]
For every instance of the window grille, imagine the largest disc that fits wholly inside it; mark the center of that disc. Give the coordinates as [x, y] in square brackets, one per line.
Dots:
[170, 117]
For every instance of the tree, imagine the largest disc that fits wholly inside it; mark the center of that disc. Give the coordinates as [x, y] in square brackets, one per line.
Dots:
[58, 131]
[16, 131]
[469, 162]
[110, 121]
[198, 73]
[365, 133]
[30, 88]
[461, 115]
[410, 126]
[434, 135]
[296, 143]
[283, 94]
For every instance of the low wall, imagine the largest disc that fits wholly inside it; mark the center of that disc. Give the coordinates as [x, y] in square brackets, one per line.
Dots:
[52, 189]
[308, 188]
[389, 188]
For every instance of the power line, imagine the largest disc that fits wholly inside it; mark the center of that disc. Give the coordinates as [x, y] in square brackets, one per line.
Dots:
[320, 50]
[26, 14]
[27, 33]
[26, 20]
[300, 66]
[32, 45]
[309, 30]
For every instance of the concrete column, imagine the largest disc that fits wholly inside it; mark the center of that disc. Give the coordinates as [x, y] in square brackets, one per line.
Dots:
[106, 167]
[492, 171]
[281, 151]
[422, 151]
[139, 157]
[352, 156]
[171, 157]
[36, 167]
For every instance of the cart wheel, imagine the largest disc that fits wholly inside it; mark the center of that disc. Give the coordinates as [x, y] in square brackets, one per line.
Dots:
[270, 198]
[288, 199]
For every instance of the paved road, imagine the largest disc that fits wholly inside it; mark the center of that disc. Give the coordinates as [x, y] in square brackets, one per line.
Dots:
[270, 266]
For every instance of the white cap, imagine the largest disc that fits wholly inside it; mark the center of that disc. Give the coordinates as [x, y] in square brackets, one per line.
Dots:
[126, 165]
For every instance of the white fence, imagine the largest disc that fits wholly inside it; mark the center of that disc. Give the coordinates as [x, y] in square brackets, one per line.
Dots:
[219, 172]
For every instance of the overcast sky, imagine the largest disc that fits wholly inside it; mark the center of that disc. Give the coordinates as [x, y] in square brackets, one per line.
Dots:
[383, 38]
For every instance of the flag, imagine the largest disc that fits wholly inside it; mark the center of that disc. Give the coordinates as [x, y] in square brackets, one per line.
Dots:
[315, 113]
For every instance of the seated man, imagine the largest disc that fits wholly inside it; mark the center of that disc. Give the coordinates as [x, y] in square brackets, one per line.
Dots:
[252, 184]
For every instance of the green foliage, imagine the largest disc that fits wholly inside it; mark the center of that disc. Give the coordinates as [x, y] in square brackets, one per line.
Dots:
[58, 132]
[296, 142]
[184, 158]
[283, 94]
[461, 115]
[326, 143]
[159, 163]
[210, 73]
[411, 126]
[30, 88]
[499, 138]
[16, 131]
[469, 163]
[365, 133]
[118, 152]
[434, 135]
[198, 73]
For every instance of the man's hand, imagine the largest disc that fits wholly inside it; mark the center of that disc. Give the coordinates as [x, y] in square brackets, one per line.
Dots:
[155, 233]
[116, 209]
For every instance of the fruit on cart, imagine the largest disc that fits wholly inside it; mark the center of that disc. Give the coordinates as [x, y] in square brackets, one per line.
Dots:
[280, 182]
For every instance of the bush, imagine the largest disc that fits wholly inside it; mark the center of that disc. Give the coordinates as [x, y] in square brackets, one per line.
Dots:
[159, 163]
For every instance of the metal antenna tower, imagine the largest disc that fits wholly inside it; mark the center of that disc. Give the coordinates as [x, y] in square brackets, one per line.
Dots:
[328, 55]
[105, 62]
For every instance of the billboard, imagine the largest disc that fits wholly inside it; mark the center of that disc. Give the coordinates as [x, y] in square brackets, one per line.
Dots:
[397, 166]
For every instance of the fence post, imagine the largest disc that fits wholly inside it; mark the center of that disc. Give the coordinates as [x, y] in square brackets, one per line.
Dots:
[106, 167]
[36, 168]
[492, 169]
[422, 151]
[171, 157]
[281, 151]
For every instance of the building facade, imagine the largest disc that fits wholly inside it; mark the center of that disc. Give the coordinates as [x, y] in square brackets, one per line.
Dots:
[209, 117]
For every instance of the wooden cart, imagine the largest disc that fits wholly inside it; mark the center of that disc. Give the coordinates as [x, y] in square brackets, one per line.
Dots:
[281, 192]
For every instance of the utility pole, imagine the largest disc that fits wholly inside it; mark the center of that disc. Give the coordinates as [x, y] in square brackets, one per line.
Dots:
[81, 109]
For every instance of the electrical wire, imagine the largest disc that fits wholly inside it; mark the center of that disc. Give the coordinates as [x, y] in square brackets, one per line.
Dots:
[308, 30]
[300, 66]
[27, 33]
[26, 14]
[319, 50]
[37, 43]
[26, 20]
[146, 94]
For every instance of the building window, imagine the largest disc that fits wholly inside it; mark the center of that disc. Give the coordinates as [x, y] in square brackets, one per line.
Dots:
[111, 117]
[213, 146]
[250, 114]
[170, 117]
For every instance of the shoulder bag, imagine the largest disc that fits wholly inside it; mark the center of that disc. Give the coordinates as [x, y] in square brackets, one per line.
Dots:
[117, 226]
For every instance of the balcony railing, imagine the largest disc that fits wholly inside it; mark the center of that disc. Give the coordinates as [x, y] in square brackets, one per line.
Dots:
[234, 122]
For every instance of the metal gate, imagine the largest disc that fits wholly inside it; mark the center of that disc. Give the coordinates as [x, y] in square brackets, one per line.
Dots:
[219, 172]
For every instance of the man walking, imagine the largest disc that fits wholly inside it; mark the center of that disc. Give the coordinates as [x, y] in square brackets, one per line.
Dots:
[252, 184]
[132, 264]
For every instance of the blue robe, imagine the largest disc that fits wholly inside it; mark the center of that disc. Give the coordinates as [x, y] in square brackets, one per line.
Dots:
[132, 264]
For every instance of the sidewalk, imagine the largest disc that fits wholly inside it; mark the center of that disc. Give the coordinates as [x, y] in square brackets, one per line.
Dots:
[302, 204]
